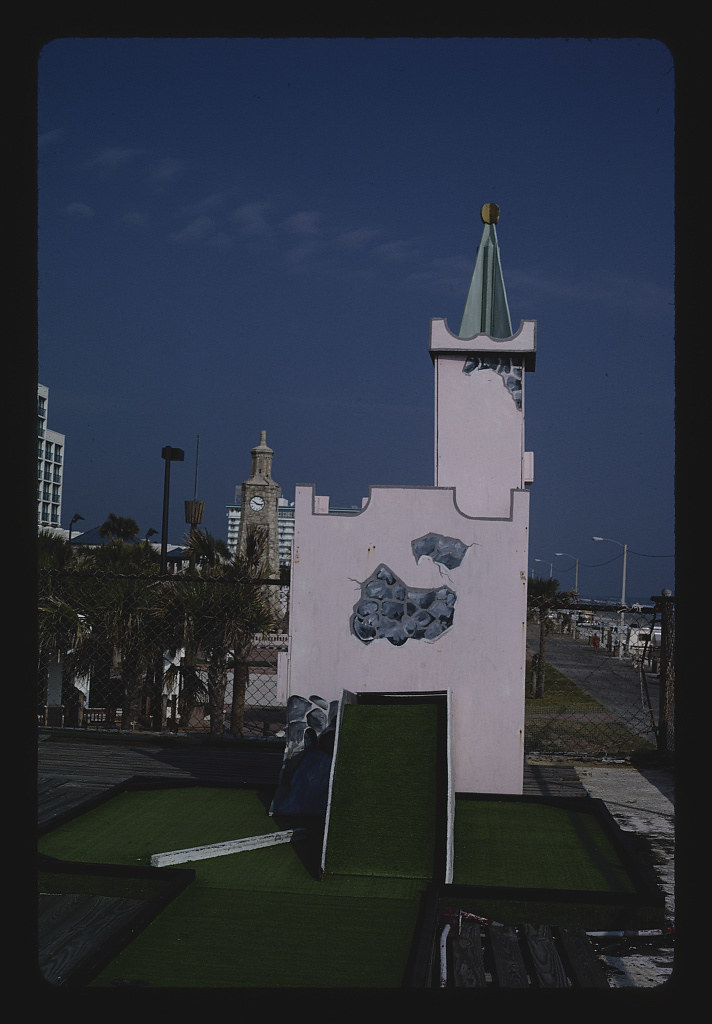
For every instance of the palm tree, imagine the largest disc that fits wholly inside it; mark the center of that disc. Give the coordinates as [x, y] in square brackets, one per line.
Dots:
[59, 625]
[119, 528]
[222, 607]
[543, 596]
[53, 551]
[120, 600]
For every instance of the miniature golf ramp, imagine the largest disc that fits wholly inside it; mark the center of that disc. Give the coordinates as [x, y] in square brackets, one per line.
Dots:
[390, 806]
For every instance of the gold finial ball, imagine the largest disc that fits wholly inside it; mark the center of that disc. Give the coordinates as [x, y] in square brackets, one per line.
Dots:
[490, 213]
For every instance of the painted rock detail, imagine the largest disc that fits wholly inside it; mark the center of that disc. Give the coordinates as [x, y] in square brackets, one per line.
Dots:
[390, 610]
[447, 551]
[509, 370]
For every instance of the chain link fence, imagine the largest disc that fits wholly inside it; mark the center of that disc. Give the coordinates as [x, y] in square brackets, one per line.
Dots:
[173, 652]
[187, 653]
[609, 684]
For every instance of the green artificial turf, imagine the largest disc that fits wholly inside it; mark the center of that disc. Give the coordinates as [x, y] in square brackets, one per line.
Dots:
[260, 918]
[132, 826]
[534, 845]
[263, 919]
[211, 937]
[384, 803]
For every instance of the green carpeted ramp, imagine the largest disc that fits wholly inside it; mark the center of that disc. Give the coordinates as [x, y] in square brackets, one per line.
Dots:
[389, 811]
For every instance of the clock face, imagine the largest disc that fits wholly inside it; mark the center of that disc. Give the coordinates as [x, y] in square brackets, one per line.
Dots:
[257, 503]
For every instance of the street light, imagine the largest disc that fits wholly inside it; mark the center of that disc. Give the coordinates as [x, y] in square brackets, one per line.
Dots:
[169, 455]
[625, 561]
[550, 564]
[75, 519]
[194, 509]
[560, 554]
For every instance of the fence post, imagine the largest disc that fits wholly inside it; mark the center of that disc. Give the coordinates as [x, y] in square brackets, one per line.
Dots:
[665, 604]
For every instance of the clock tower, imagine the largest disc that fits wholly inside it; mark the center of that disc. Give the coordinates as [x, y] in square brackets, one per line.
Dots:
[258, 510]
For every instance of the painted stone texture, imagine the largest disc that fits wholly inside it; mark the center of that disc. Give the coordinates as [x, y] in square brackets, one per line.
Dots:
[446, 551]
[304, 781]
[508, 369]
[390, 610]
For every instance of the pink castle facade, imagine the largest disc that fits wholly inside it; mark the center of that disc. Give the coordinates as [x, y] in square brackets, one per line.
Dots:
[424, 589]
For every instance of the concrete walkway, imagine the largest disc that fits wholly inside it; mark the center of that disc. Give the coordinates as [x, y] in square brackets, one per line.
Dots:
[642, 800]
[641, 803]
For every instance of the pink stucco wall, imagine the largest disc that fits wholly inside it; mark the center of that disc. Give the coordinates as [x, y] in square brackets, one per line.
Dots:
[480, 499]
[479, 659]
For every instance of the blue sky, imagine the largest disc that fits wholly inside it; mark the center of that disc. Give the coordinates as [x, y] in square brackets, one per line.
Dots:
[239, 235]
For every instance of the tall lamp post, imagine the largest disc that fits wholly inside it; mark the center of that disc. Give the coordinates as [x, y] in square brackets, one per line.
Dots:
[194, 509]
[550, 564]
[75, 519]
[560, 554]
[169, 455]
[625, 562]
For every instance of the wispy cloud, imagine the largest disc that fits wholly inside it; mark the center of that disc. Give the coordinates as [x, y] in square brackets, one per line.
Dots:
[305, 222]
[203, 231]
[602, 290]
[359, 238]
[79, 210]
[198, 230]
[165, 170]
[48, 138]
[398, 249]
[250, 219]
[114, 156]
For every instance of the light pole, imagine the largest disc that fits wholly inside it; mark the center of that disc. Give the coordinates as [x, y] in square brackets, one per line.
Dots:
[560, 554]
[75, 519]
[194, 509]
[550, 564]
[169, 455]
[625, 562]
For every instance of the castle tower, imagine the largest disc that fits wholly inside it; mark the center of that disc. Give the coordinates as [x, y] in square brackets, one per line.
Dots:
[424, 590]
[479, 390]
[259, 498]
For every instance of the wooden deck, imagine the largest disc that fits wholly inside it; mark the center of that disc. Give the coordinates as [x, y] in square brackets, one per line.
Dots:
[528, 956]
[73, 774]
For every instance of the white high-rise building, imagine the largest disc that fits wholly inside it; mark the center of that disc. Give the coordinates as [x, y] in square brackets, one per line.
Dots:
[50, 465]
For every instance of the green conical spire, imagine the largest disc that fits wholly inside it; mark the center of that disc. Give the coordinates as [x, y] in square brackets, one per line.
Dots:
[486, 309]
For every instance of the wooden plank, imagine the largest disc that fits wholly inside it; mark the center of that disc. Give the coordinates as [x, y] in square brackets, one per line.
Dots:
[71, 927]
[192, 853]
[509, 968]
[467, 957]
[548, 970]
[585, 968]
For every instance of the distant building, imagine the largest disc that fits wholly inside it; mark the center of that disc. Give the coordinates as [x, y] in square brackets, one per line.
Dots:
[285, 525]
[50, 465]
[259, 503]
